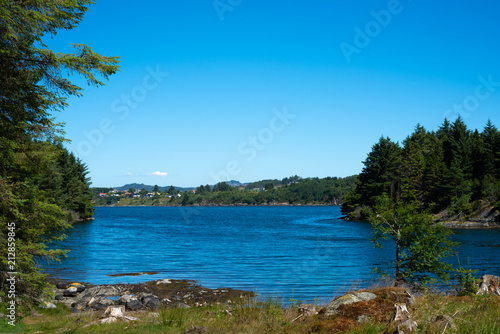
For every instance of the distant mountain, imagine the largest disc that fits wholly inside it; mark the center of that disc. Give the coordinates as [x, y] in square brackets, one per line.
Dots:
[234, 183]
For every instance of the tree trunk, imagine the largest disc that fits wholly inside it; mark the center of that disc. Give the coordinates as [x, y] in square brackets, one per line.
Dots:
[398, 269]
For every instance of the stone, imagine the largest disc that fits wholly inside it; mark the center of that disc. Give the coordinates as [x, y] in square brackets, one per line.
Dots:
[74, 310]
[133, 305]
[62, 285]
[124, 299]
[362, 319]
[182, 305]
[59, 297]
[103, 303]
[151, 301]
[48, 305]
[350, 298]
[163, 281]
[70, 292]
[106, 290]
[79, 287]
[176, 298]
[82, 303]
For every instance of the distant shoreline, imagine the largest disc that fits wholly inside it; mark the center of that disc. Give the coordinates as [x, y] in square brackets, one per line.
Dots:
[214, 205]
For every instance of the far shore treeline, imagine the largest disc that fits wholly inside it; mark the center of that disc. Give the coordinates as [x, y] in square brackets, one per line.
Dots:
[453, 172]
[293, 191]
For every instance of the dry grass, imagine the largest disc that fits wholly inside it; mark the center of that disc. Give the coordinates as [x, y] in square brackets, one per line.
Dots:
[471, 314]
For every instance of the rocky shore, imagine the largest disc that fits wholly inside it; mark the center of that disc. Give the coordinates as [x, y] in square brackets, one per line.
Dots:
[142, 296]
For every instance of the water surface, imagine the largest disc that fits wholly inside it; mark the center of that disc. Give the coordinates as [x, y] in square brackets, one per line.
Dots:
[279, 251]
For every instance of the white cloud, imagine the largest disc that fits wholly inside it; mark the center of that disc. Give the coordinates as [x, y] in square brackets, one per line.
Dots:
[157, 173]
[128, 174]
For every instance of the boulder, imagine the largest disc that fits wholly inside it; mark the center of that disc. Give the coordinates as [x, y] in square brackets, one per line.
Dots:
[70, 292]
[102, 303]
[163, 281]
[82, 303]
[350, 298]
[62, 285]
[79, 287]
[151, 301]
[133, 305]
[124, 299]
[106, 290]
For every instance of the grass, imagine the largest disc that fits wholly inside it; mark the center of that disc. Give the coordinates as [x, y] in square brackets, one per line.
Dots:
[471, 314]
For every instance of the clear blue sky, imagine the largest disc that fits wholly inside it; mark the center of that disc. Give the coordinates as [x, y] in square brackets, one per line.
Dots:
[247, 90]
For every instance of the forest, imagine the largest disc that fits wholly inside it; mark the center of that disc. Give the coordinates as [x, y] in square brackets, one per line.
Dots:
[43, 187]
[294, 191]
[451, 171]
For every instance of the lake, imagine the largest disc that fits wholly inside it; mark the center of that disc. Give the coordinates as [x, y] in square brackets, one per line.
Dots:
[302, 251]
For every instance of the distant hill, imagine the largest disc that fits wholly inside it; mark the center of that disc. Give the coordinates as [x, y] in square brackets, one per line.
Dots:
[139, 186]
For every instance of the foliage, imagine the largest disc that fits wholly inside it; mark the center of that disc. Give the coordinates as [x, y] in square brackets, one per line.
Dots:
[447, 170]
[67, 185]
[327, 191]
[380, 175]
[421, 244]
[33, 84]
[478, 314]
[466, 280]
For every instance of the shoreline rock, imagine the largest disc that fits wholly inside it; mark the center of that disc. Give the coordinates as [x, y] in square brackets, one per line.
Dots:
[150, 295]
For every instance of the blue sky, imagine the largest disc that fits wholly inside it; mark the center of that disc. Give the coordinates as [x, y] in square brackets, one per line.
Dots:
[247, 90]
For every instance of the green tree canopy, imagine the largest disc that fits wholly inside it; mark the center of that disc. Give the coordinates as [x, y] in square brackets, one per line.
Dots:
[422, 245]
[34, 83]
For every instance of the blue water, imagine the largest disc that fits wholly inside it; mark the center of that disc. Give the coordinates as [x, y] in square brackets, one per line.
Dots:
[275, 251]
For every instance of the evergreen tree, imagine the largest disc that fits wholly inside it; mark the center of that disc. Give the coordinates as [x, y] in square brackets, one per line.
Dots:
[380, 174]
[422, 167]
[32, 86]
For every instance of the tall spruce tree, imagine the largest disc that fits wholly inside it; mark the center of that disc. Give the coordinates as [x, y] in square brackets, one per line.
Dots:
[422, 167]
[380, 173]
[33, 85]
